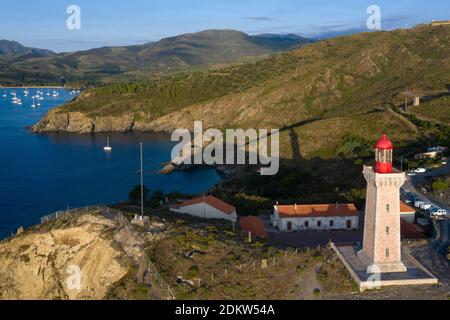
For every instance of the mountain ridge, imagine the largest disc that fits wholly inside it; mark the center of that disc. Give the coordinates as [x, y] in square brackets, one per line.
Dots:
[14, 48]
[141, 62]
[317, 94]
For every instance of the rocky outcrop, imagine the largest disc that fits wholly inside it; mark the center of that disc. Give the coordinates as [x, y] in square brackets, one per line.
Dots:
[76, 122]
[45, 263]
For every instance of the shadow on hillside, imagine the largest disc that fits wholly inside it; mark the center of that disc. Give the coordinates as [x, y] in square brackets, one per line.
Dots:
[438, 95]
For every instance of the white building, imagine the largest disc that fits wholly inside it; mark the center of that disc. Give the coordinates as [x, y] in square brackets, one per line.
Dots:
[208, 207]
[318, 217]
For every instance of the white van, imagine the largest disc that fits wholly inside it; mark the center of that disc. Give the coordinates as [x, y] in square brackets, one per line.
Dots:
[425, 206]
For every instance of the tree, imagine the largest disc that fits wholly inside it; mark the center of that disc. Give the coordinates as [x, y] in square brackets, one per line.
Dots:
[440, 185]
[134, 197]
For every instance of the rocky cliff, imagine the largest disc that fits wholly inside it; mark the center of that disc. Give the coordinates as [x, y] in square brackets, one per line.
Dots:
[42, 262]
[78, 122]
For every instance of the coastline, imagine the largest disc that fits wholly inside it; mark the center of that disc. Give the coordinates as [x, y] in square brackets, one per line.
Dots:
[31, 87]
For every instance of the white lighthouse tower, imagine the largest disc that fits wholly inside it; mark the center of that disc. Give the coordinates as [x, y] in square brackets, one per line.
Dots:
[381, 251]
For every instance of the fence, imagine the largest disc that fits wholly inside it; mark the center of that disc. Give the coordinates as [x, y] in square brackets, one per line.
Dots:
[115, 214]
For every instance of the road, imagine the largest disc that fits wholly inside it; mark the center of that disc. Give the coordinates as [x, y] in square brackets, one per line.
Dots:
[441, 226]
[412, 182]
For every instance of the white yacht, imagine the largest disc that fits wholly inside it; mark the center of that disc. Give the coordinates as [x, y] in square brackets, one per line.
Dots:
[107, 148]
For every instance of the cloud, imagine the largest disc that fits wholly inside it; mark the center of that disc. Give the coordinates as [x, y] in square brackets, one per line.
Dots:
[261, 18]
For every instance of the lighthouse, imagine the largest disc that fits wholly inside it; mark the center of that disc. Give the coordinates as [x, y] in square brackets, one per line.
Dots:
[381, 251]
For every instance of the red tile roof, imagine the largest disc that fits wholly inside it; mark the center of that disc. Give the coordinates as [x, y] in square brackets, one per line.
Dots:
[210, 200]
[317, 210]
[404, 208]
[253, 224]
[411, 231]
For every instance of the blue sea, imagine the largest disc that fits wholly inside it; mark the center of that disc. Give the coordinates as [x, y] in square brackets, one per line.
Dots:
[43, 173]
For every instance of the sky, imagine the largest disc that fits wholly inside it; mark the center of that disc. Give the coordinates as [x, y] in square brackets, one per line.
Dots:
[42, 23]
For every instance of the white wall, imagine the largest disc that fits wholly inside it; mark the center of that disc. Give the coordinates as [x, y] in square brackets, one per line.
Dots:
[298, 224]
[205, 211]
[408, 217]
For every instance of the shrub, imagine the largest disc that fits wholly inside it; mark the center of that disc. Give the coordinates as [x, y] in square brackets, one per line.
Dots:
[193, 272]
[440, 185]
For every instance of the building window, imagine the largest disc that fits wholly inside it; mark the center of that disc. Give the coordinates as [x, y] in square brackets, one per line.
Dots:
[388, 230]
[289, 226]
[319, 223]
[388, 208]
[349, 224]
[387, 253]
[306, 224]
[331, 223]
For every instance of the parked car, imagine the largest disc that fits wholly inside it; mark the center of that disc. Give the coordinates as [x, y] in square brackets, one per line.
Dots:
[411, 173]
[417, 204]
[408, 201]
[444, 162]
[420, 170]
[438, 212]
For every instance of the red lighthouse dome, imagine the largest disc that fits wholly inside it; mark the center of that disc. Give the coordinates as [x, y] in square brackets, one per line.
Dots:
[383, 155]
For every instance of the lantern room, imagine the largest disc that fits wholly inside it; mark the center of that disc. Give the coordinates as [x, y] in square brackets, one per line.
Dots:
[383, 155]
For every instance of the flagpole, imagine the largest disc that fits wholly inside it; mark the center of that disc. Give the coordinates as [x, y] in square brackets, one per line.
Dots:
[142, 183]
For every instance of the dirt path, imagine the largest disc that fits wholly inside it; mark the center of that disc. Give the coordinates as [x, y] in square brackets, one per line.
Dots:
[307, 284]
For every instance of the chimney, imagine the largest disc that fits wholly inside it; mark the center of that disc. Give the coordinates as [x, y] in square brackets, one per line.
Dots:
[295, 207]
[337, 204]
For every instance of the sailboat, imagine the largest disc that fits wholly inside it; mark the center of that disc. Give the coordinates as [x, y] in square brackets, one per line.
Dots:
[107, 148]
[33, 105]
[14, 99]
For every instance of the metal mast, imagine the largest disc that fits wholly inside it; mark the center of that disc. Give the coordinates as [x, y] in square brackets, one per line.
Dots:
[142, 183]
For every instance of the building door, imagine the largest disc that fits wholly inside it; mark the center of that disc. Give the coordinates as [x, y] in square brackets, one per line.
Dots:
[289, 226]
[349, 224]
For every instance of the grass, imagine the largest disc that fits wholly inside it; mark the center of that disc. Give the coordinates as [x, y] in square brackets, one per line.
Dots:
[436, 109]
[231, 268]
[344, 83]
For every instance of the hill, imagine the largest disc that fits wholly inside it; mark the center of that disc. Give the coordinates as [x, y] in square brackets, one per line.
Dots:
[140, 62]
[13, 48]
[318, 95]
[176, 257]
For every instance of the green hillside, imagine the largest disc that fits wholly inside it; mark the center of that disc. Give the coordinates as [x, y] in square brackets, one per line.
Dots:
[317, 95]
[141, 62]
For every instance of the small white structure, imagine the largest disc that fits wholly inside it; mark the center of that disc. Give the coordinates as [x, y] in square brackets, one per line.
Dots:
[140, 220]
[316, 217]
[208, 207]
[437, 149]
[407, 213]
